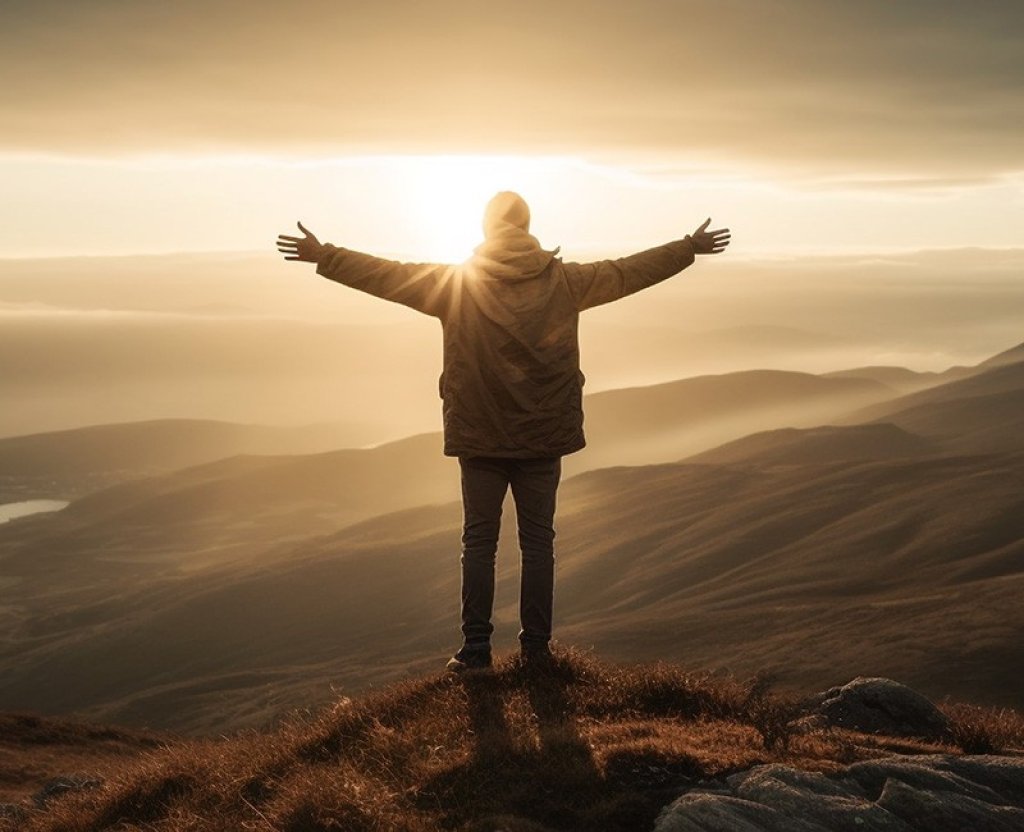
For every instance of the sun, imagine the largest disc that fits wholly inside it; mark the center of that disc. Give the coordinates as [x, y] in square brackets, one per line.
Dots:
[446, 196]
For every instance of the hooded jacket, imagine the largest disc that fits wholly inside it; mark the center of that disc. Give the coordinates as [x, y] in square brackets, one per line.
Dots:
[511, 384]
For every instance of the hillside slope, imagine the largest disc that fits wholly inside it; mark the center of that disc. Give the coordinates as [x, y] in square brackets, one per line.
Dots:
[71, 463]
[578, 745]
[974, 413]
[903, 568]
[237, 507]
[819, 554]
[827, 443]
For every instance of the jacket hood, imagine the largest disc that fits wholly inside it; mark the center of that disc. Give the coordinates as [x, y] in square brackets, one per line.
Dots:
[511, 253]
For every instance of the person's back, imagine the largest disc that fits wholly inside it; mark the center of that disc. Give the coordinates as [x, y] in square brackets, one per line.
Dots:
[511, 383]
[511, 386]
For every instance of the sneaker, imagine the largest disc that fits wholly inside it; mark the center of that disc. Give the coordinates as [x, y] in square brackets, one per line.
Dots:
[469, 658]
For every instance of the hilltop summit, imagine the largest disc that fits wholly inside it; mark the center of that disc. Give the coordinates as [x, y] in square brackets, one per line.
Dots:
[578, 745]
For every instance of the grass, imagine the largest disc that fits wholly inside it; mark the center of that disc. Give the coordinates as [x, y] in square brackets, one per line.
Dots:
[579, 745]
[977, 730]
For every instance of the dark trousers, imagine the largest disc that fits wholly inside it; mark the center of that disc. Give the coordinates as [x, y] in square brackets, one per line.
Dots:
[534, 482]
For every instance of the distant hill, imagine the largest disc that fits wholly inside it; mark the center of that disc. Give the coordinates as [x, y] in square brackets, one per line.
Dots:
[898, 378]
[69, 463]
[794, 446]
[237, 507]
[229, 510]
[982, 412]
[655, 423]
[664, 422]
[902, 568]
[231, 586]
[1014, 355]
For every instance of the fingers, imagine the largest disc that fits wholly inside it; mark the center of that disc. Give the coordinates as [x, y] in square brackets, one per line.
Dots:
[289, 246]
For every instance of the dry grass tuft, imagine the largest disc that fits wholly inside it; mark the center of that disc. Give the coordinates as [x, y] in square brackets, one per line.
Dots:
[978, 730]
[579, 745]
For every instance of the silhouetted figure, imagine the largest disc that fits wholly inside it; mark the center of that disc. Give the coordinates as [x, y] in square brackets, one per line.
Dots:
[512, 389]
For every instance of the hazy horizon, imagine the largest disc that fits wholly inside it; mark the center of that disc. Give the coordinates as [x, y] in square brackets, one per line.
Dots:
[248, 338]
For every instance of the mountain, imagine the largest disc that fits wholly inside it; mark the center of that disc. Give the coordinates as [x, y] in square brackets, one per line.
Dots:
[204, 513]
[905, 568]
[70, 463]
[898, 378]
[820, 554]
[231, 510]
[1014, 355]
[983, 412]
[665, 422]
[828, 443]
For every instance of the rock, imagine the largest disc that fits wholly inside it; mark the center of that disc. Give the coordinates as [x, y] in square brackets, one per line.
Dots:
[945, 812]
[813, 797]
[917, 793]
[703, 812]
[880, 706]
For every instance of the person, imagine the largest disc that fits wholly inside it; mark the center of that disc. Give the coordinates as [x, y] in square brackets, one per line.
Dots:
[511, 385]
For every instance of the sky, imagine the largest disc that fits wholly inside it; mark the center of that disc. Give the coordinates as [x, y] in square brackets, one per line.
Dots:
[804, 125]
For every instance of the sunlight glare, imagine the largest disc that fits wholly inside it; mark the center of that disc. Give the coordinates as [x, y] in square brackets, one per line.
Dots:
[447, 194]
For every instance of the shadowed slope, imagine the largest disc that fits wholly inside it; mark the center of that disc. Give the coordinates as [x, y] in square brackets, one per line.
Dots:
[903, 568]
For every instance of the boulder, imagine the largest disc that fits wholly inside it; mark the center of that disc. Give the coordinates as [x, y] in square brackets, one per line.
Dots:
[917, 793]
[879, 706]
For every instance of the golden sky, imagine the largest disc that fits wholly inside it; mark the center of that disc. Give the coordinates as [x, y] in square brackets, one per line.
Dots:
[802, 124]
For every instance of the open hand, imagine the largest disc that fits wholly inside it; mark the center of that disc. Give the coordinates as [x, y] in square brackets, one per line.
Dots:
[306, 248]
[709, 242]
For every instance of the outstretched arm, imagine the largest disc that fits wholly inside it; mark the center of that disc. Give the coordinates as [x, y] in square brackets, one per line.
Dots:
[422, 286]
[593, 284]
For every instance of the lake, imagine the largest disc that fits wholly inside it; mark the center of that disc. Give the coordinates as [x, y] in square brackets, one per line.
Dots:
[8, 511]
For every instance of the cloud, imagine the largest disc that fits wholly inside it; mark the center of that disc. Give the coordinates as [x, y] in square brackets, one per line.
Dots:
[921, 88]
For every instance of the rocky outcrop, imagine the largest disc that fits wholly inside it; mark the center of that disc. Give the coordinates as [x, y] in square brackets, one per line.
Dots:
[878, 706]
[925, 793]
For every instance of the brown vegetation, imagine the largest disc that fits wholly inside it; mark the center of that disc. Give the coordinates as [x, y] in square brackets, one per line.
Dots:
[978, 730]
[579, 745]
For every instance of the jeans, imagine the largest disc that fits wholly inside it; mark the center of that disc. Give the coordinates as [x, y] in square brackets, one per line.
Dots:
[485, 481]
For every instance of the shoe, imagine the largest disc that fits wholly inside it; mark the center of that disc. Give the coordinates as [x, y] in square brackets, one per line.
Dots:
[536, 655]
[469, 658]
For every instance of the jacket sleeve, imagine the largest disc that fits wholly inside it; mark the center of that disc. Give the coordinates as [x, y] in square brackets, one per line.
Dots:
[425, 287]
[592, 284]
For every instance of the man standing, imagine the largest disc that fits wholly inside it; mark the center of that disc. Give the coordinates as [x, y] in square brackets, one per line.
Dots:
[511, 388]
